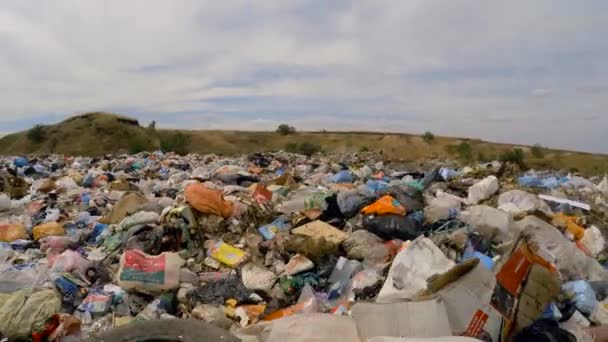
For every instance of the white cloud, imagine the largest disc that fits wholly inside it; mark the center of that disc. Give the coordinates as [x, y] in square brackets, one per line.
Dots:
[541, 92]
[459, 67]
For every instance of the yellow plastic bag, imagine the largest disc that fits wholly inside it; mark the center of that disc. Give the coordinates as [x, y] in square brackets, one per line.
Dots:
[571, 225]
[385, 205]
[47, 229]
[227, 254]
[208, 201]
[10, 232]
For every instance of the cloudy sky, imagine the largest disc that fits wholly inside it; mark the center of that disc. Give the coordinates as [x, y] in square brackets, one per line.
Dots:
[513, 71]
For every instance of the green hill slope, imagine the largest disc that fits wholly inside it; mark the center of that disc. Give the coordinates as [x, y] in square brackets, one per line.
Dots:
[101, 133]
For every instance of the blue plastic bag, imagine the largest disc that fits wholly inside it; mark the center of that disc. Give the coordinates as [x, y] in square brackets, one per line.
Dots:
[343, 176]
[484, 259]
[20, 162]
[582, 294]
[375, 185]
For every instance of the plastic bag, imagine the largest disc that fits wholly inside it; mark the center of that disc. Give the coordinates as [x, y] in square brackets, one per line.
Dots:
[394, 226]
[47, 229]
[573, 230]
[569, 260]
[146, 272]
[307, 303]
[411, 268]
[385, 205]
[594, 241]
[219, 291]
[10, 232]
[5, 202]
[343, 176]
[350, 202]
[363, 245]
[582, 294]
[490, 223]
[208, 201]
[69, 261]
[483, 189]
[26, 276]
[442, 207]
[142, 217]
[26, 309]
[308, 199]
[518, 202]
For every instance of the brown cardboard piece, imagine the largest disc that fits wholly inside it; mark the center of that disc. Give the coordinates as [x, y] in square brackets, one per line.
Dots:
[414, 319]
[319, 229]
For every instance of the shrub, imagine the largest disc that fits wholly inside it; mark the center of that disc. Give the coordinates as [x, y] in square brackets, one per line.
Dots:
[538, 151]
[291, 147]
[309, 149]
[481, 157]
[284, 129]
[305, 148]
[175, 142]
[363, 148]
[464, 150]
[428, 137]
[515, 156]
[36, 134]
[136, 145]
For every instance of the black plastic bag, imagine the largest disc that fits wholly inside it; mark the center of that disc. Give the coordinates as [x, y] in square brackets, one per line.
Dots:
[218, 292]
[394, 226]
[544, 330]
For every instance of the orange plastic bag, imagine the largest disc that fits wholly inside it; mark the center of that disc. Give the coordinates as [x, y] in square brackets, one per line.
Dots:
[47, 229]
[385, 205]
[571, 223]
[208, 201]
[10, 232]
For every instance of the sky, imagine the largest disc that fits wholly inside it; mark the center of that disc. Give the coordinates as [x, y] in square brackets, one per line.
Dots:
[514, 71]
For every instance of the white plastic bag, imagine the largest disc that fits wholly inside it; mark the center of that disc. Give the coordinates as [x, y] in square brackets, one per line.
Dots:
[5, 202]
[594, 241]
[490, 222]
[519, 202]
[411, 268]
[483, 189]
[441, 207]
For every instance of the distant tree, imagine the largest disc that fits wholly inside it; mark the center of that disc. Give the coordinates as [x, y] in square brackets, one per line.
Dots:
[428, 137]
[152, 125]
[36, 134]
[285, 129]
[538, 151]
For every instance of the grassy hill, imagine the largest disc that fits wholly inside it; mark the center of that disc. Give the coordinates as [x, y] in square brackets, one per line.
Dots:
[100, 133]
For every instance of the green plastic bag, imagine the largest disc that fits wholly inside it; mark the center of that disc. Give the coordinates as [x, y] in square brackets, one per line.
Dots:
[24, 310]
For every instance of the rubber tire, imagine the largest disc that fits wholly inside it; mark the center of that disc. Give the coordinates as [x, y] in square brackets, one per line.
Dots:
[183, 330]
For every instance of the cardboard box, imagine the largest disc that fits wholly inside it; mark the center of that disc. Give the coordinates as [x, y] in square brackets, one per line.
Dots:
[413, 319]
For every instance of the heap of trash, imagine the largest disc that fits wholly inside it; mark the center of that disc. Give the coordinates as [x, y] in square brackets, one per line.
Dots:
[284, 247]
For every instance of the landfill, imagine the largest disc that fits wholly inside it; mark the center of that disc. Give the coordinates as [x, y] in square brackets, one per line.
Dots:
[286, 247]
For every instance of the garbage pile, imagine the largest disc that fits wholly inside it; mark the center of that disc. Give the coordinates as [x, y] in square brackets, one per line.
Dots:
[283, 247]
